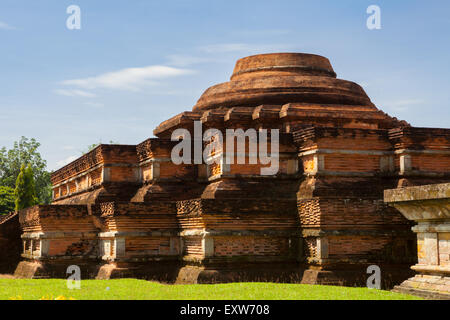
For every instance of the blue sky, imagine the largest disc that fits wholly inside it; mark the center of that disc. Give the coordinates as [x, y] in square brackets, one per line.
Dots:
[136, 63]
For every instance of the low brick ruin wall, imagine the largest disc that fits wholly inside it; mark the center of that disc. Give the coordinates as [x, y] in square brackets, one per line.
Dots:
[429, 206]
[10, 242]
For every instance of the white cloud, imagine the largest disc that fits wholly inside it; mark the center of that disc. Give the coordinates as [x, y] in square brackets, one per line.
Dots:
[63, 162]
[128, 79]
[225, 47]
[406, 102]
[263, 32]
[403, 105]
[243, 47]
[212, 53]
[181, 60]
[5, 26]
[75, 93]
[94, 104]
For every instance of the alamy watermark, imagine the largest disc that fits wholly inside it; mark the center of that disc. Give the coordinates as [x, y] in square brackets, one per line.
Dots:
[73, 22]
[374, 20]
[74, 280]
[374, 281]
[256, 151]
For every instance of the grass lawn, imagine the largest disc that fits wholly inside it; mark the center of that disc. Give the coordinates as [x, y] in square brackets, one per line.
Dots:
[144, 290]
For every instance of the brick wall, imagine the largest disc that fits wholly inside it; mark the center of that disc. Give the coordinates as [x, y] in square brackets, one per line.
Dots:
[139, 246]
[431, 162]
[246, 245]
[351, 162]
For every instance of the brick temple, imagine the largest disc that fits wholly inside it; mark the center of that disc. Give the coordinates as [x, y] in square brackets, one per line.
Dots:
[130, 211]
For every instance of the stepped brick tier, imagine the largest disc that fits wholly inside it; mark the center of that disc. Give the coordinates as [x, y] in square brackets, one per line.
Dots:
[429, 206]
[131, 211]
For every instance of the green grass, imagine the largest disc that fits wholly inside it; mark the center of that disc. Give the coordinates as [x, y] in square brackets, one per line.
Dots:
[144, 290]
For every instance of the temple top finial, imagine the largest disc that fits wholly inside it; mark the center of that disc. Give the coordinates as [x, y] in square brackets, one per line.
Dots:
[282, 64]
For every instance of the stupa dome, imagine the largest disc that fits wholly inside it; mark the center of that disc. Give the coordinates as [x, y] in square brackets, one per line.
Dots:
[280, 78]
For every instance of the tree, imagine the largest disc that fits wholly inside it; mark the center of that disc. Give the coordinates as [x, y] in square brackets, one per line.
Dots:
[25, 152]
[6, 200]
[25, 192]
